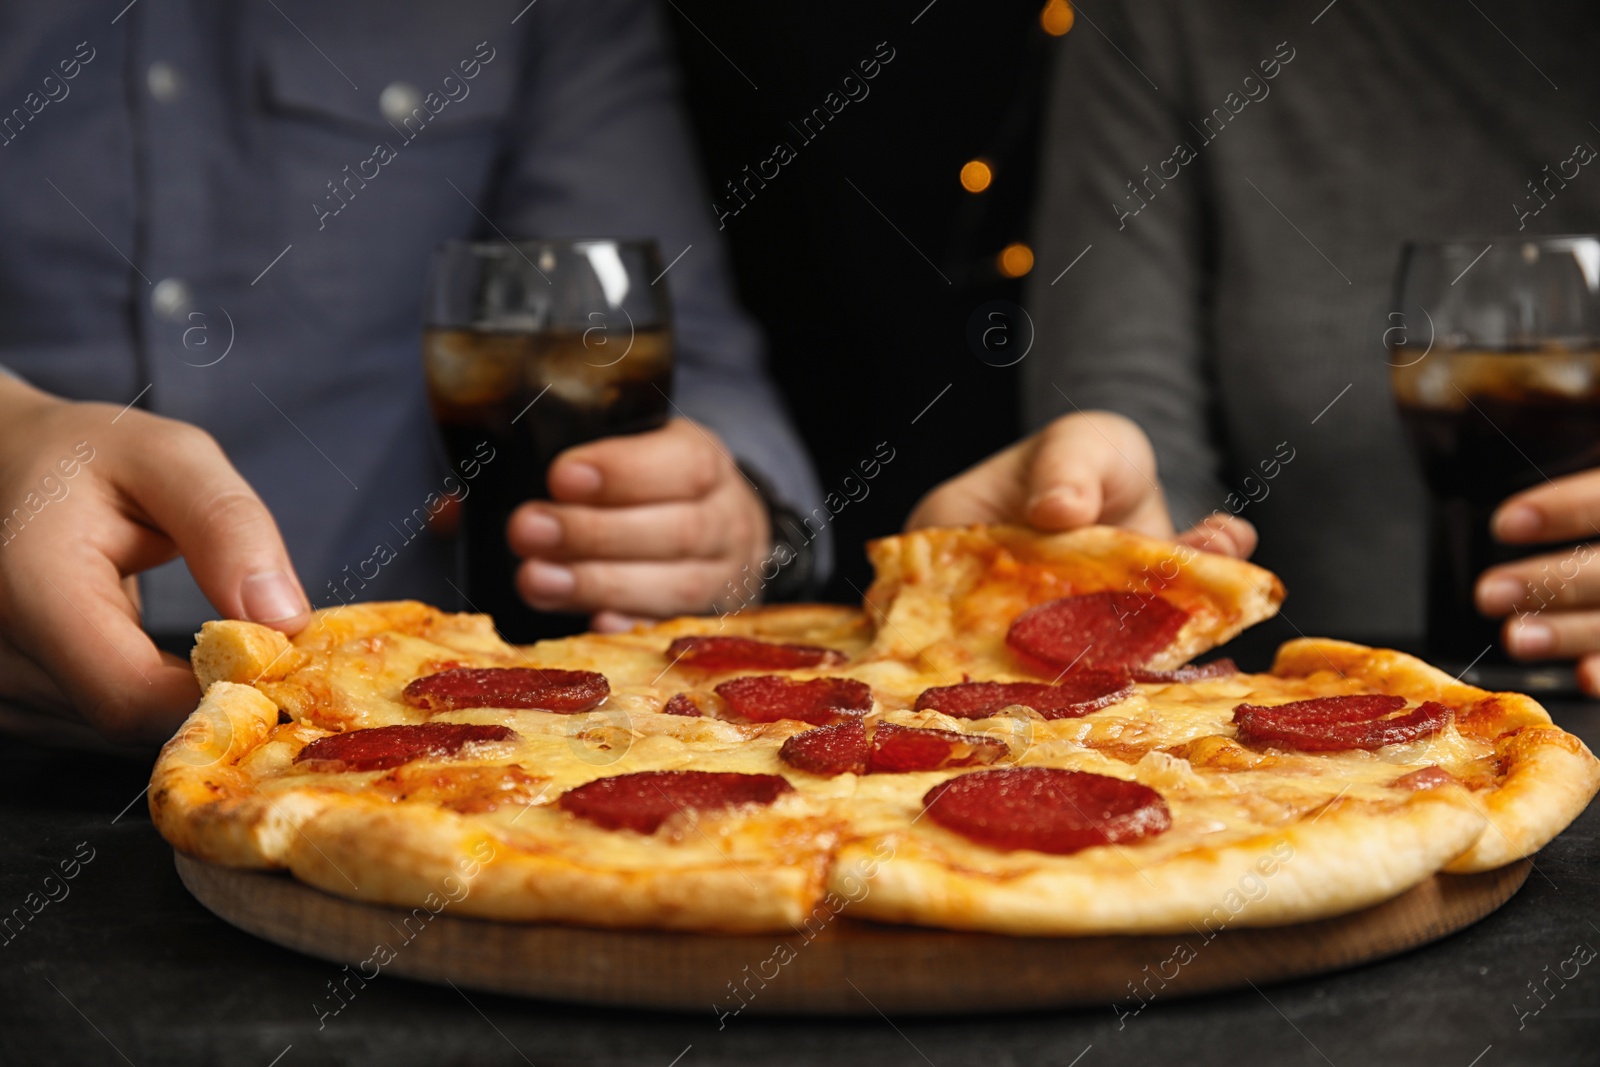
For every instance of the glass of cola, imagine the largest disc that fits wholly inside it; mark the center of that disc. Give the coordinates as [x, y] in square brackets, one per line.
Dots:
[532, 347]
[1494, 355]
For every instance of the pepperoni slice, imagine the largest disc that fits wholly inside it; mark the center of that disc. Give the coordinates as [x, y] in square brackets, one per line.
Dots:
[1046, 810]
[899, 749]
[770, 697]
[682, 704]
[641, 802]
[389, 746]
[829, 750]
[1426, 778]
[1217, 668]
[509, 687]
[1105, 630]
[1331, 724]
[843, 748]
[748, 654]
[1078, 694]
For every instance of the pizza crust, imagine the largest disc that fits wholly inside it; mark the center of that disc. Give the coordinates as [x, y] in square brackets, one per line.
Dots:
[398, 856]
[1553, 777]
[331, 628]
[1550, 775]
[1347, 858]
[201, 801]
[228, 650]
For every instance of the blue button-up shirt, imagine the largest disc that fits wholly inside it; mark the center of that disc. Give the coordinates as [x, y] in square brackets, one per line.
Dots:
[224, 211]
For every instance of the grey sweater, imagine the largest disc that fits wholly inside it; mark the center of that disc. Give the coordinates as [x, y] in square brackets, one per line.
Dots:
[1237, 178]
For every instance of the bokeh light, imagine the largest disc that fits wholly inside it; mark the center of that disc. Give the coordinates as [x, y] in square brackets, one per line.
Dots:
[1015, 260]
[976, 176]
[1056, 18]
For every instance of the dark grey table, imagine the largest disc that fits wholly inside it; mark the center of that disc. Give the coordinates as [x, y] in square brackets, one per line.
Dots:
[123, 966]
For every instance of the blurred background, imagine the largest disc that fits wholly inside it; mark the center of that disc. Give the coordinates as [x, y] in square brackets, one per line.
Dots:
[892, 233]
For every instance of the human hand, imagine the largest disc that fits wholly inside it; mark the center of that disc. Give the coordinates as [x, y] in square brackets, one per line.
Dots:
[89, 497]
[1552, 600]
[1082, 469]
[645, 525]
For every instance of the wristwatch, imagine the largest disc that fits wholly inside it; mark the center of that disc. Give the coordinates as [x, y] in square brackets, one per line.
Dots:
[788, 571]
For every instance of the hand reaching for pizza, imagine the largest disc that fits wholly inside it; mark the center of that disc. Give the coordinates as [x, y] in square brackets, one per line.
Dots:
[651, 524]
[1551, 601]
[1085, 468]
[90, 496]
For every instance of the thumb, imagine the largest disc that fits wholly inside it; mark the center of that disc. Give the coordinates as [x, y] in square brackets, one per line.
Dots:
[226, 535]
[1095, 467]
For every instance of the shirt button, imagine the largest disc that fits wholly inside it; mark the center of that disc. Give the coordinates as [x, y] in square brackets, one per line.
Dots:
[164, 82]
[398, 100]
[170, 299]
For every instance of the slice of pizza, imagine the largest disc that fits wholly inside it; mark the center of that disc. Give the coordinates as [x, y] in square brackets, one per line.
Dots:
[613, 823]
[997, 601]
[1072, 843]
[1188, 789]
[969, 824]
[1527, 776]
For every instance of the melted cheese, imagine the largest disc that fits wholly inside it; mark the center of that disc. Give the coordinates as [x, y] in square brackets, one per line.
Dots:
[1146, 737]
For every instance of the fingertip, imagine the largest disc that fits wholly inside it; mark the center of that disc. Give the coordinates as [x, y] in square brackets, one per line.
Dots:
[532, 529]
[544, 585]
[574, 479]
[1497, 594]
[1589, 674]
[1237, 536]
[1213, 541]
[1245, 536]
[1061, 507]
[291, 626]
[274, 598]
[1528, 637]
[1516, 522]
[615, 622]
[1223, 535]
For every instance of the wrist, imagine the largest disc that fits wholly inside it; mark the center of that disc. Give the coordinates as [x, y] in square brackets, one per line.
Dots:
[18, 396]
[20, 405]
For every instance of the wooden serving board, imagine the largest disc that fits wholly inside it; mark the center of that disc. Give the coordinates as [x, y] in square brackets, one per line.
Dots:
[849, 968]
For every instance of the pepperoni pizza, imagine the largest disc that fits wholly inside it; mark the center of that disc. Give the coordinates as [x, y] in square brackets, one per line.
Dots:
[1008, 737]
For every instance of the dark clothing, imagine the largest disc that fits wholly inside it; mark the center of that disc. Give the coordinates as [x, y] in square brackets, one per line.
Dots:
[1245, 179]
[272, 176]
